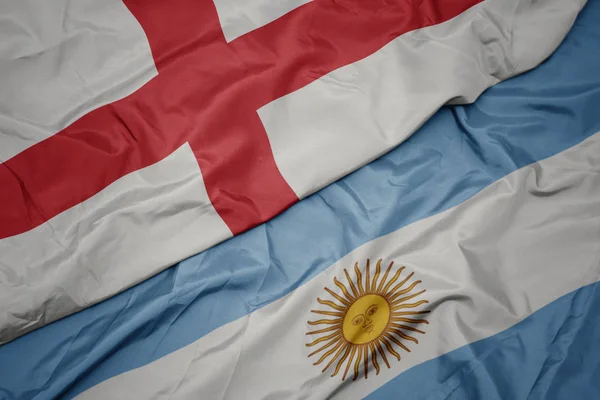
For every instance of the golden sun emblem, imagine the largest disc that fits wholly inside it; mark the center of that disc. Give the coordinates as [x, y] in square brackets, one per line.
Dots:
[366, 319]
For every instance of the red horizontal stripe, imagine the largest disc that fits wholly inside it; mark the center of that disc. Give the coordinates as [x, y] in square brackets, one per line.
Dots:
[207, 93]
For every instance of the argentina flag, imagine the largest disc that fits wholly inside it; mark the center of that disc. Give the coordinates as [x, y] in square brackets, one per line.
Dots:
[460, 261]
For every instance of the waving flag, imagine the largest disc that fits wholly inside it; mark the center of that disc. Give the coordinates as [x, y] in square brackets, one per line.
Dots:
[462, 264]
[137, 133]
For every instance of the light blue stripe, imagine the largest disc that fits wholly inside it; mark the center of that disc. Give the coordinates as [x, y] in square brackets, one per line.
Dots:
[458, 153]
[553, 354]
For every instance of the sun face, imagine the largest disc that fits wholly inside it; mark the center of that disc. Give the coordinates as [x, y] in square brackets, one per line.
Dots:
[366, 321]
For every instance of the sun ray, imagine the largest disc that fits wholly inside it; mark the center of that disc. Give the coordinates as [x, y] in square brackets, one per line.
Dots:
[325, 330]
[389, 336]
[323, 339]
[409, 305]
[329, 352]
[396, 292]
[357, 363]
[404, 335]
[374, 358]
[399, 285]
[352, 353]
[361, 291]
[386, 343]
[330, 313]
[385, 360]
[338, 297]
[344, 290]
[366, 363]
[326, 345]
[409, 320]
[334, 358]
[352, 287]
[368, 278]
[377, 271]
[391, 282]
[367, 319]
[331, 304]
[346, 354]
[406, 327]
[325, 321]
[394, 300]
[389, 268]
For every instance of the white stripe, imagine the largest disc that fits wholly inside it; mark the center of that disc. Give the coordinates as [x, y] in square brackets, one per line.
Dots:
[60, 59]
[486, 264]
[358, 112]
[239, 17]
[134, 228]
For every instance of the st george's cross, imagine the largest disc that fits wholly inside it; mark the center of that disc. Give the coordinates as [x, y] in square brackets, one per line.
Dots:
[207, 93]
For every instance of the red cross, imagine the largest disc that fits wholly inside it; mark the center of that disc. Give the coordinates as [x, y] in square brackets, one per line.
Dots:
[207, 93]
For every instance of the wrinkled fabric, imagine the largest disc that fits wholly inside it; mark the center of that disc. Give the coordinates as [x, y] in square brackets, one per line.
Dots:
[455, 155]
[368, 74]
[461, 275]
[362, 110]
[547, 356]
